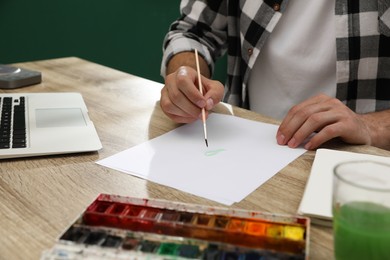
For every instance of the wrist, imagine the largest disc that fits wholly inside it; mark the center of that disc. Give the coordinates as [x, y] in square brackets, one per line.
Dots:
[378, 125]
[187, 59]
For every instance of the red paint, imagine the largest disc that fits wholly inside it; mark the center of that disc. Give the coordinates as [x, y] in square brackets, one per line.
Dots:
[142, 216]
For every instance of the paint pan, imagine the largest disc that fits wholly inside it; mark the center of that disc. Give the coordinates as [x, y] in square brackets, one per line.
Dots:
[116, 227]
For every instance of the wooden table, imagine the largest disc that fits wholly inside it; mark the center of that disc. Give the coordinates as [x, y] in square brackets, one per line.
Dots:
[40, 197]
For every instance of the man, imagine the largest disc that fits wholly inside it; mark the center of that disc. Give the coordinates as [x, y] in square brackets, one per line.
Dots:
[321, 66]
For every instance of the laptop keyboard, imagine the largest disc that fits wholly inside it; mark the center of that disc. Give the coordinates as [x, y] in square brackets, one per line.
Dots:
[12, 123]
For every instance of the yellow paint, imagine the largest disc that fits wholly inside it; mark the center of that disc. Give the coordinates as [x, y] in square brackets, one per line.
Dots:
[294, 232]
[275, 231]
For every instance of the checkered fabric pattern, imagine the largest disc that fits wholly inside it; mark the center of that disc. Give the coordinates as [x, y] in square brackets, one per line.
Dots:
[241, 28]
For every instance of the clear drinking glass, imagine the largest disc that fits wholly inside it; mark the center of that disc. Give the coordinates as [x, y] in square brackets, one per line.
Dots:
[361, 210]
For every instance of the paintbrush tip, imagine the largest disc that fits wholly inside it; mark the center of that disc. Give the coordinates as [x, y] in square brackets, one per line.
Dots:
[207, 144]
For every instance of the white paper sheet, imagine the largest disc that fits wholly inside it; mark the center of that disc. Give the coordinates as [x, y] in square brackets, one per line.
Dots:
[242, 155]
[317, 198]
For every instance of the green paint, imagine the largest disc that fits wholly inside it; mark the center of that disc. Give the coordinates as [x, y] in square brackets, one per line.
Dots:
[362, 231]
[213, 152]
[168, 249]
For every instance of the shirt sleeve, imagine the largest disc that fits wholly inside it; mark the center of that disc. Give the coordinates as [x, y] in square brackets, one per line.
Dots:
[202, 26]
[384, 17]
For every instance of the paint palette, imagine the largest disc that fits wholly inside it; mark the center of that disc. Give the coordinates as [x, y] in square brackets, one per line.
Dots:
[116, 227]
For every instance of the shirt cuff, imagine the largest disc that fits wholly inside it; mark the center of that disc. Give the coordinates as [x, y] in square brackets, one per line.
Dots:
[183, 44]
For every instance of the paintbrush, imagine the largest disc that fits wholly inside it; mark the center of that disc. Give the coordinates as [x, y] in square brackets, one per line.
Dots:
[201, 92]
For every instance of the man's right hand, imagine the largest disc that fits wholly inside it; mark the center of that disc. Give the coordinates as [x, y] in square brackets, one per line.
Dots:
[181, 99]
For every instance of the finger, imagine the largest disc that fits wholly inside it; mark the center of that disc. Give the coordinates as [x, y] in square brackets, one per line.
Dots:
[177, 95]
[298, 115]
[289, 131]
[173, 111]
[214, 92]
[314, 123]
[349, 128]
[187, 82]
[179, 119]
[186, 95]
[327, 133]
[295, 109]
[178, 115]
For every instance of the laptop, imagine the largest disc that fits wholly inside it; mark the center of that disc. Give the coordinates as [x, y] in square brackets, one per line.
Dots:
[35, 124]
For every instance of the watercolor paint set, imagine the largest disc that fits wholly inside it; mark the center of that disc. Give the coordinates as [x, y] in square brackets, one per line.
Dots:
[117, 227]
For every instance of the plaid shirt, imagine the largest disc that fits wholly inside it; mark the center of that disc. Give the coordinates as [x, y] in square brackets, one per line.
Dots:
[241, 27]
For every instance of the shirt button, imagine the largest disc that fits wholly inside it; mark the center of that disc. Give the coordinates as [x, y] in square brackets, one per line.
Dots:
[250, 51]
[276, 7]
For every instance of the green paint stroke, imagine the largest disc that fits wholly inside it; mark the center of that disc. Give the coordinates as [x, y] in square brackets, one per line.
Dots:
[213, 152]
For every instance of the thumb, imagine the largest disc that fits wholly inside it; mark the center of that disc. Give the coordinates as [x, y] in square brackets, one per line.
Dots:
[214, 91]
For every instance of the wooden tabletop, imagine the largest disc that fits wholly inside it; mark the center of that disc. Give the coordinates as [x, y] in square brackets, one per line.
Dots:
[40, 197]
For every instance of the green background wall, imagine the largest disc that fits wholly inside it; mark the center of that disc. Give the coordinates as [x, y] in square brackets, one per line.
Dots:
[123, 34]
